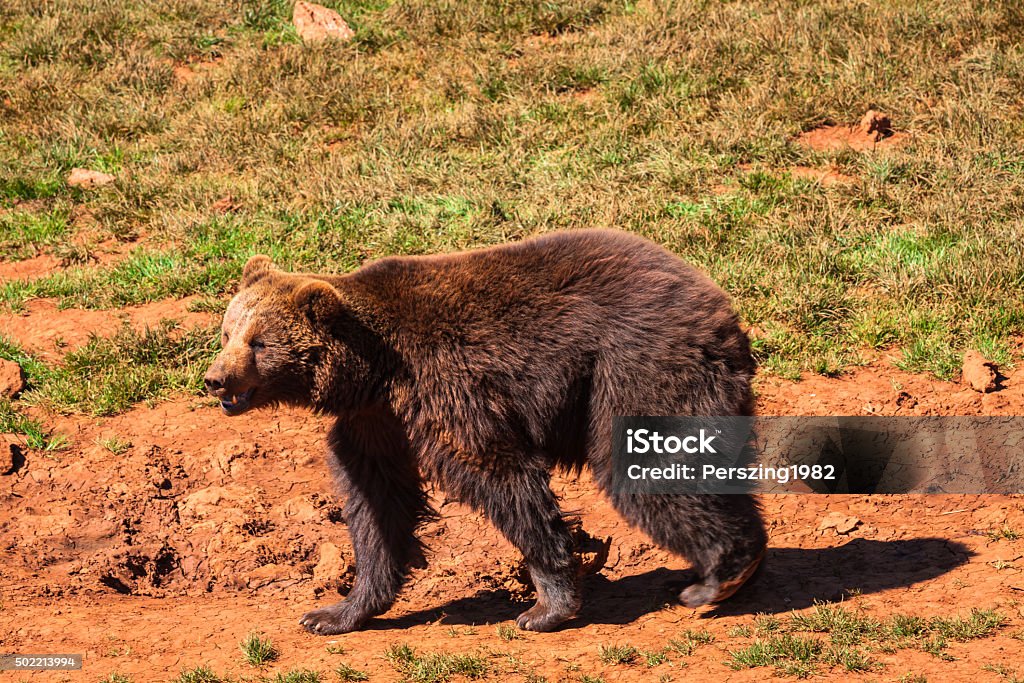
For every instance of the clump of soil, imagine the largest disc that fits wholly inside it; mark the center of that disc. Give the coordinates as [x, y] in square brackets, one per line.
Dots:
[86, 179]
[592, 553]
[873, 132]
[978, 372]
[315, 23]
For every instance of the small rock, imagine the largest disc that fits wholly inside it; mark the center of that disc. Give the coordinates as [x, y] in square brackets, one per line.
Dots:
[315, 23]
[268, 574]
[301, 509]
[331, 567]
[85, 179]
[10, 455]
[843, 524]
[594, 555]
[225, 204]
[978, 372]
[12, 379]
[876, 125]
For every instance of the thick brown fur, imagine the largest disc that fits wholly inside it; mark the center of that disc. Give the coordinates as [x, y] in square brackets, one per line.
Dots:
[484, 370]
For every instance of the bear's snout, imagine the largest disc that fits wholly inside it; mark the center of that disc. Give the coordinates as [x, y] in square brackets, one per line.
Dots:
[233, 390]
[213, 383]
[214, 380]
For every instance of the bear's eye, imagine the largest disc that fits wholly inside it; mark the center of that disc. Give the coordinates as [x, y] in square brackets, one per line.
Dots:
[225, 336]
[257, 345]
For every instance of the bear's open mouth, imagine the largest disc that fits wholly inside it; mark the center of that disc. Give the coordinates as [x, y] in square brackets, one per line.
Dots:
[237, 403]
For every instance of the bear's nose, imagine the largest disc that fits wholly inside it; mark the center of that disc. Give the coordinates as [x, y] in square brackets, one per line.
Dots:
[213, 382]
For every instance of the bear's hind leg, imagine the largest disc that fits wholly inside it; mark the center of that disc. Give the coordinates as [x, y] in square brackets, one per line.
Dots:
[723, 537]
[384, 503]
[525, 510]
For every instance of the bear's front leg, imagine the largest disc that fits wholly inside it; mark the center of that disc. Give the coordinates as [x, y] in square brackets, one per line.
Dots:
[521, 504]
[384, 503]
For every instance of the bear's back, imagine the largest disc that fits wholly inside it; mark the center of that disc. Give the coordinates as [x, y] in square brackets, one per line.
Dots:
[510, 329]
[607, 271]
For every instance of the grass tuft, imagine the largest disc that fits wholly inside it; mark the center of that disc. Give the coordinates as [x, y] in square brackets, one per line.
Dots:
[348, 674]
[509, 632]
[199, 674]
[435, 667]
[978, 624]
[296, 676]
[619, 654]
[257, 650]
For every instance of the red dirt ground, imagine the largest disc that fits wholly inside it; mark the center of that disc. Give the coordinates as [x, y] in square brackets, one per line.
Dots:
[49, 331]
[873, 132]
[207, 528]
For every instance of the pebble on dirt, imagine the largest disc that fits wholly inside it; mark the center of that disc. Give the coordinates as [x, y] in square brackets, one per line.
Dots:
[876, 125]
[315, 23]
[843, 524]
[12, 379]
[978, 372]
[9, 452]
[331, 567]
[85, 179]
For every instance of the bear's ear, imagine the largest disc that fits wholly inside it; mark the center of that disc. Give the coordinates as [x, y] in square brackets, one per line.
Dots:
[254, 268]
[317, 300]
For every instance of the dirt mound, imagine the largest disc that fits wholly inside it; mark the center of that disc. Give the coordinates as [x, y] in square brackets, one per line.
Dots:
[874, 131]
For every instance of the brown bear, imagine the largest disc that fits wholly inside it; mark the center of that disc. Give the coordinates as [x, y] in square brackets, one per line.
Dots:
[482, 371]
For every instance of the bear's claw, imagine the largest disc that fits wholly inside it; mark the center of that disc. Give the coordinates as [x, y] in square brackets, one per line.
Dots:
[333, 620]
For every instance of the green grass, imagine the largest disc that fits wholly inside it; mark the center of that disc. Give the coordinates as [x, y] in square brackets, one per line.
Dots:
[258, 650]
[109, 374]
[446, 125]
[1005, 533]
[653, 658]
[793, 655]
[296, 676]
[200, 674]
[346, 673]
[24, 234]
[30, 365]
[844, 626]
[36, 435]
[105, 376]
[854, 637]
[978, 624]
[689, 641]
[434, 667]
[619, 654]
[115, 445]
[509, 632]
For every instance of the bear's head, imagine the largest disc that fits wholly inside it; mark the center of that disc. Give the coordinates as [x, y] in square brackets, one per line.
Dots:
[275, 333]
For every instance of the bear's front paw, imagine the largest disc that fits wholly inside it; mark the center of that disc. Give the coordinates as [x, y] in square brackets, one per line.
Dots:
[340, 618]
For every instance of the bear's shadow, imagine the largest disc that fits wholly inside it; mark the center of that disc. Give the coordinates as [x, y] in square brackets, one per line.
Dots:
[789, 579]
